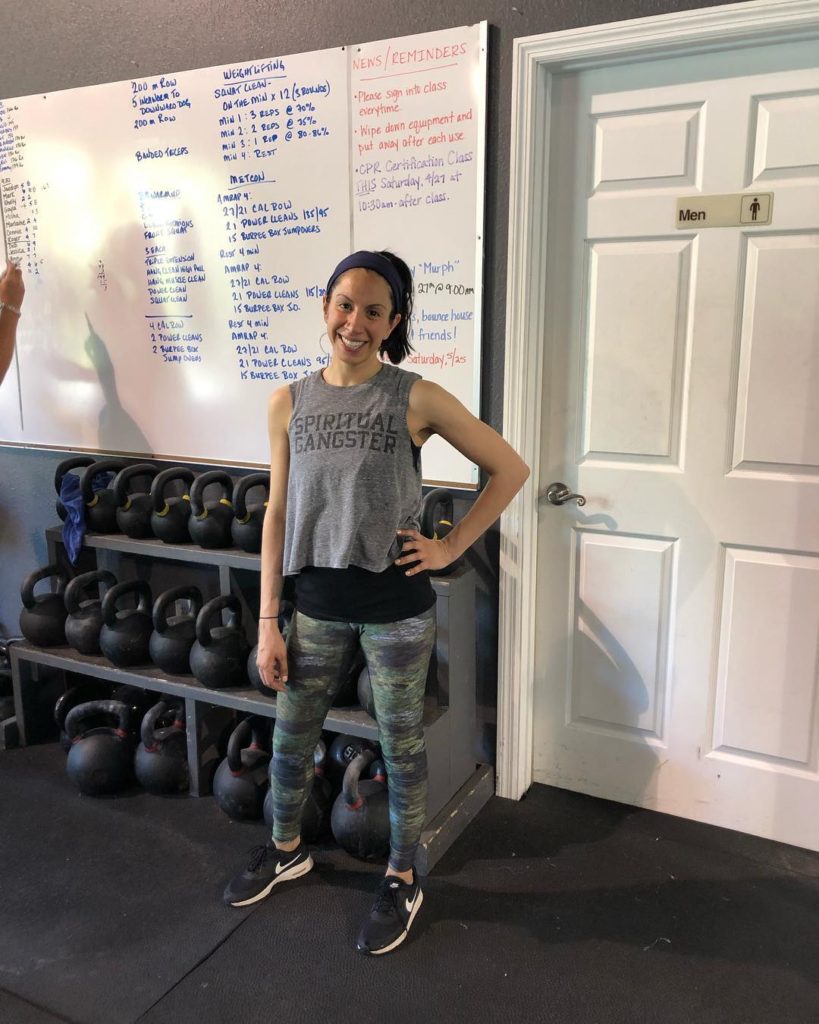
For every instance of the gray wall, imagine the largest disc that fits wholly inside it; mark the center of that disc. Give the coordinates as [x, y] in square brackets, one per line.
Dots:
[46, 45]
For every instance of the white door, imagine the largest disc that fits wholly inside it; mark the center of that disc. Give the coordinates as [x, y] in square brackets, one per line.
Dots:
[678, 610]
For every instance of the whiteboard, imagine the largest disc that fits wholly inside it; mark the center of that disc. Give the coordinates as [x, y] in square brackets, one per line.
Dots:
[176, 234]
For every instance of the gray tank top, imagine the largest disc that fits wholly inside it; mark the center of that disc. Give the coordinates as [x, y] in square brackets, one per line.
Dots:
[355, 475]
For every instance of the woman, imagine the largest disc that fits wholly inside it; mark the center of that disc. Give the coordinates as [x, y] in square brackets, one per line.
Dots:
[12, 291]
[345, 492]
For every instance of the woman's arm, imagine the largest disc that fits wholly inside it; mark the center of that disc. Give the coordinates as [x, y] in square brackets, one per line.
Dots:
[433, 410]
[12, 291]
[272, 654]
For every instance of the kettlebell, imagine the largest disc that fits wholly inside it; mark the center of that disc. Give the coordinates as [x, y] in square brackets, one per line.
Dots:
[84, 622]
[169, 518]
[437, 519]
[101, 756]
[241, 779]
[161, 760]
[361, 813]
[134, 508]
[100, 505]
[87, 690]
[341, 752]
[315, 820]
[126, 632]
[219, 654]
[62, 470]
[347, 694]
[246, 525]
[42, 620]
[209, 521]
[173, 637]
[365, 692]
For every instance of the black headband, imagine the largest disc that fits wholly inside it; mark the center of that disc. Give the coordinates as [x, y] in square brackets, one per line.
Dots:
[371, 261]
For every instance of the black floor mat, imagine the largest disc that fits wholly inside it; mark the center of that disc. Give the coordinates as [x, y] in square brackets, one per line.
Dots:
[560, 908]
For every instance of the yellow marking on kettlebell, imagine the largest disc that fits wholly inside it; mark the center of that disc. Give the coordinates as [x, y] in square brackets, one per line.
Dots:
[93, 502]
[203, 514]
[127, 505]
[265, 504]
[165, 510]
[243, 520]
[226, 501]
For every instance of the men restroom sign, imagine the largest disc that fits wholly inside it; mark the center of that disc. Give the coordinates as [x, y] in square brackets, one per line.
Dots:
[752, 209]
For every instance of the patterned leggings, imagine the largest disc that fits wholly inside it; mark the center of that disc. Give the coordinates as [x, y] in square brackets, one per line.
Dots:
[319, 654]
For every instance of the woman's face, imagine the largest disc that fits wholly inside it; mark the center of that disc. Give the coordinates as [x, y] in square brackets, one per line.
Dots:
[357, 315]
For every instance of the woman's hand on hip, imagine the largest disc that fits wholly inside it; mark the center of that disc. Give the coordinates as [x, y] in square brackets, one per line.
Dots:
[271, 657]
[422, 553]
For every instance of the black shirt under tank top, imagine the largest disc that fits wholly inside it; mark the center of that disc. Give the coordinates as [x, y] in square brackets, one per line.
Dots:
[358, 595]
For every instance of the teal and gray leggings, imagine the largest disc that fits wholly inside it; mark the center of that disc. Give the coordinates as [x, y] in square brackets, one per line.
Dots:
[319, 653]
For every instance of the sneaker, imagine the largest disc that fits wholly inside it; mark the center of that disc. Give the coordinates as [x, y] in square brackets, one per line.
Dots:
[268, 866]
[391, 917]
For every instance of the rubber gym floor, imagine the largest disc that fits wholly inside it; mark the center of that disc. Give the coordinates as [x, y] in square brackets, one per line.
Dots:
[558, 908]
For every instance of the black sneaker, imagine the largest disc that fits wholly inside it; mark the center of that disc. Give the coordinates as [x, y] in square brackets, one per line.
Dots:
[392, 915]
[268, 866]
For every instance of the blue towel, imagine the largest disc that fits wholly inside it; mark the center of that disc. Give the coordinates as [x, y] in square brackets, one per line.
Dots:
[74, 525]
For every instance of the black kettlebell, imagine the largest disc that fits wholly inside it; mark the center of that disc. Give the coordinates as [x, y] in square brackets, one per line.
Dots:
[169, 518]
[341, 752]
[246, 525]
[161, 760]
[437, 519]
[42, 620]
[241, 779]
[100, 506]
[347, 694]
[139, 701]
[209, 522]
[101, 756]
[81, 693]
[361, 813]
[84, 622]
[173, 637]
[219, 655]
[62, 470]
[365, 692]
[315, 820]
[126, 632]
[134, 508]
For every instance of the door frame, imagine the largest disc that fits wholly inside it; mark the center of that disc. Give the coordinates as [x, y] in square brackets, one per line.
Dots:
[536, 59]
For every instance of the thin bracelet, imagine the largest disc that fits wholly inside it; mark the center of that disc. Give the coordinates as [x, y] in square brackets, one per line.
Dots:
[10, 308]
[268, 616]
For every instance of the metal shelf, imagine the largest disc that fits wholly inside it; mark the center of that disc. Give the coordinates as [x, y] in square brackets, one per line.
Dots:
[351, 721]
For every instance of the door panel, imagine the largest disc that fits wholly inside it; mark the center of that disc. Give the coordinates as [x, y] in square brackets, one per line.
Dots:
[678, 610]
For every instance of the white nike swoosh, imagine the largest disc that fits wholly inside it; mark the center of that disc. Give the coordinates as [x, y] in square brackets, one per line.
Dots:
[284, 867]
[409, 905]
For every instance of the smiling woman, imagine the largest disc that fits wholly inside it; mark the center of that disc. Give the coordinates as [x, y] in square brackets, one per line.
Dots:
[343, 519]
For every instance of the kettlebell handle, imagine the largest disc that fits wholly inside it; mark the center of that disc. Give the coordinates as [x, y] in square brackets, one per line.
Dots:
[161, 480]
[67, 465]
[164, 601]
[109, 602]
[243, 485]
[30, 582]
[439, 498]
[115, 708]
[212, 608]
[89, 496]
[148, 731]
[249, 729]
[352, 774]
[80, 584]
[213, 476]
[125, 476]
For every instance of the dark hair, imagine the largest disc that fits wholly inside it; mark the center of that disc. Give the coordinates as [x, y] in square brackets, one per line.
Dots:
[397, 346]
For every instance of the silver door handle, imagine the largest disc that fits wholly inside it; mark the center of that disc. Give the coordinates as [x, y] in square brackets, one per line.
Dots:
[558, 494]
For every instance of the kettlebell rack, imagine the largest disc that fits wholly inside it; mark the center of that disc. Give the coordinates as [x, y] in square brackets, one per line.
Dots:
[457, 790]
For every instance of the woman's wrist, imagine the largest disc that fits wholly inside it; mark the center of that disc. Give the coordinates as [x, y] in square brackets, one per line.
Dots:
[11, 308]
